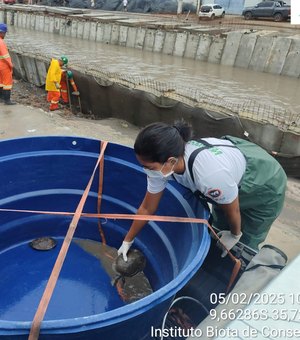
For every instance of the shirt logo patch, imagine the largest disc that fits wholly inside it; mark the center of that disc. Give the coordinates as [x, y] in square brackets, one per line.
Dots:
[214, 193]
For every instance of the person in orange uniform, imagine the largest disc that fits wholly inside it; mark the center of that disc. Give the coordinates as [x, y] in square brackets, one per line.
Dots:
[67, 76]
[53, 80]
[6, 69]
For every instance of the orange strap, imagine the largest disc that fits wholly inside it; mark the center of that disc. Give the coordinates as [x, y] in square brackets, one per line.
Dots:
[235, 270]
[155, 218]
[100, 190]
[44, 302]
[237, 262]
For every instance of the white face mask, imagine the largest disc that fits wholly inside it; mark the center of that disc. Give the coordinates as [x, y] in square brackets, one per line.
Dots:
[159, 173]
[153, 173]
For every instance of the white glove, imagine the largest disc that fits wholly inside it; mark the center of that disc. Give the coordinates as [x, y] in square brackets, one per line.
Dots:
[228, 239]
[57, 85]
[124, 249]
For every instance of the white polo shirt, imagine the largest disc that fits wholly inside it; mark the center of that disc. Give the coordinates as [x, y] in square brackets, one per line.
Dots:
[217, 171]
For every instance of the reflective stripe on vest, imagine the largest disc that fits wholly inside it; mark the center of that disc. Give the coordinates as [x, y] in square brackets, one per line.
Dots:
[6, 56]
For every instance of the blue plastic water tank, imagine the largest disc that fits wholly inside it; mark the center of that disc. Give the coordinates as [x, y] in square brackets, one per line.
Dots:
[50, 173]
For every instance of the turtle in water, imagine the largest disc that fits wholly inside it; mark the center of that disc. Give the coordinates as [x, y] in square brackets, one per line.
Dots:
[135, 264]
[43, 243]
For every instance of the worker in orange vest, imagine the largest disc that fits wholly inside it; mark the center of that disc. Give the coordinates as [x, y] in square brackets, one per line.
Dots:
[6, 69]
[67, 76]
[53, 80]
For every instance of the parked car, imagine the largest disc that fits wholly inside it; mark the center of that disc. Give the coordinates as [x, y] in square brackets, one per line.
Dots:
[268, 9]
[211, 11]
[9, 2]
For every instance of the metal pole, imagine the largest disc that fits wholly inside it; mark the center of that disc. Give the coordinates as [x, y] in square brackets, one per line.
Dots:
[79, 103]
[68, 89]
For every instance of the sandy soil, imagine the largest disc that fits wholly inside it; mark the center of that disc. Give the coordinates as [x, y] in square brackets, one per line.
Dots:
[32, 118]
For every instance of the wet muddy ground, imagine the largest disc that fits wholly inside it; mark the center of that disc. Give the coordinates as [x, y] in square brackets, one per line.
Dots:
[32, 118]
[28, 94]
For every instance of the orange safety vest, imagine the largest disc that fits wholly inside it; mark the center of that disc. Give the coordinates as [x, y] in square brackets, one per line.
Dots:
[5, 59]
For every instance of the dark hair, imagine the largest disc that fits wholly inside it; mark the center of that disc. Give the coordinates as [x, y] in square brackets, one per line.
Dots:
[159, 141]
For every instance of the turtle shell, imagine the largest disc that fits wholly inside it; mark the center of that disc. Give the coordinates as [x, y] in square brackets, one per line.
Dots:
[136, 263]
[43, 243]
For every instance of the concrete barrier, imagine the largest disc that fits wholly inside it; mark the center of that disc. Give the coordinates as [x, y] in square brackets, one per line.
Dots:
[192, 45]
[180, 44]
[261, 53]
[231, 47]
[169, 43]
[277, 56]
[291, 65]
[31, 71]
[264, 51]
[245, 50]
[216, 50]
[131, 37]
[19, 70]
[140, 38]
[204, 47]
[142, 105]
[149, 40]
[159, 40]
[107, 33]
[123, 35]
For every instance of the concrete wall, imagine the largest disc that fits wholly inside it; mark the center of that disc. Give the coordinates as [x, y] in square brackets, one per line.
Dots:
[141, 107]
[264, 51]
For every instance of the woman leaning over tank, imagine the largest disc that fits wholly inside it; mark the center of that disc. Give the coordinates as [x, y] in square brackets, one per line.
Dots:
[245, 184]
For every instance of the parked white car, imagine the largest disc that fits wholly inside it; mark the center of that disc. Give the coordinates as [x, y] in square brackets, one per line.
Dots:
[211, 11]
